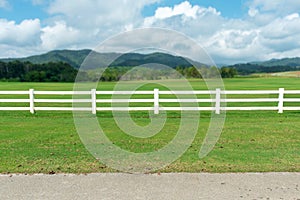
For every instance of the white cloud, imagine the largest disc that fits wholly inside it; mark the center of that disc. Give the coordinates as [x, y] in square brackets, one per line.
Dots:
[184, 11]
[233, 45]
[195, 21]
[10, 51]
[266, 32]
[263, 12]
[270, 29]
[274, 7]
[185, 8]
[282, 27]
[97, 19]
[25, 33]
[292, 16]
[59, 36]
[83, 24]
[38, 2]
[282, 35]
[99, 13]
[18, 40]
[4, 4]
[252, 12]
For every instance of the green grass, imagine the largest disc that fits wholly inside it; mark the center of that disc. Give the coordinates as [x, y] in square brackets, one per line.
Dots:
[230, 84]
[294, 74]
[251, 141]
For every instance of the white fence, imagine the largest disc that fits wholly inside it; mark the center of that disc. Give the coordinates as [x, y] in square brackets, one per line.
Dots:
[216, 100]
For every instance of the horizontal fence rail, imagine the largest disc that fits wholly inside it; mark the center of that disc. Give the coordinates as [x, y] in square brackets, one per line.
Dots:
[94, 101]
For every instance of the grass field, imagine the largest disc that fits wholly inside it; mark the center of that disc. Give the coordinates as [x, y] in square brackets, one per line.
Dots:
[230, 84]
[251, 141]
[294, 74]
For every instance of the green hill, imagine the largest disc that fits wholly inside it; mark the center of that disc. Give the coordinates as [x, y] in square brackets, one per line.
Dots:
[76, 57]
[271, 66]
[97, 60]
[291, 62]
[73, 58]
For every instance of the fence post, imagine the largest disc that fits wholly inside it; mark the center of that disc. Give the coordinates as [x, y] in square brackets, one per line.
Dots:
[156, 101]
[218, 101]
[94, 103]
[280, 100]
[31, 101]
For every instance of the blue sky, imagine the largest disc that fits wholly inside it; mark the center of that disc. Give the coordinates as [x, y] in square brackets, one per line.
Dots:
[18, 10]
[231, 31]
[234, 9]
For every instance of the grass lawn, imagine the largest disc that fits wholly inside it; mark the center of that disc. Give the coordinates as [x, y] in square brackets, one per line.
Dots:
[251, 141]
[294, 74]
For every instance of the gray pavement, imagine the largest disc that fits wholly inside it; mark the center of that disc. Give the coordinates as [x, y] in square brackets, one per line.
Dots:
[152, 186]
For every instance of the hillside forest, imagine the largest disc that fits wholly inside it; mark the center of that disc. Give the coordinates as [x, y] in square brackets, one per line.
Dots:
[26, 71]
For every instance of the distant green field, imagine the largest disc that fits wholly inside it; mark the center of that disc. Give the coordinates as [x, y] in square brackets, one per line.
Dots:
[230, 84]
[251, 141]
[290, 74]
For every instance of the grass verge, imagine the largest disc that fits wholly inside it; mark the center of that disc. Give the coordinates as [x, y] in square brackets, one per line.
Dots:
[250, 142]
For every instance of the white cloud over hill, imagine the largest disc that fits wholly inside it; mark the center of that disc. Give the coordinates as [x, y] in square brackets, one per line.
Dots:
[269, 28]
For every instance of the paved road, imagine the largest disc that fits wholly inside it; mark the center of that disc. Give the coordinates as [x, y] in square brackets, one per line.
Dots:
[154, 186]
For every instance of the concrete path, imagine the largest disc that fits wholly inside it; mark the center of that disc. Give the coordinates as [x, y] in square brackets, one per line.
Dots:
[154, 186]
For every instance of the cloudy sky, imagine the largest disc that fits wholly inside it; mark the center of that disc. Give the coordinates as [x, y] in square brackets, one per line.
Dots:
[231, 31]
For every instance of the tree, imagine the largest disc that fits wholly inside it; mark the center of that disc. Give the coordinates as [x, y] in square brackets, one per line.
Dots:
[228, 72]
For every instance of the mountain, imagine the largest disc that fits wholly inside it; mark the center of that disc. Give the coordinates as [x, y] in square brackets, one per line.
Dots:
[76, 57]
[135, 59]
[270, 66]
[73, 58]
[291, 62]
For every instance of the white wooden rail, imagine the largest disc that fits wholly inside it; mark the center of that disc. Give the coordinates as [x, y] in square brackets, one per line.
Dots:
[217, 98]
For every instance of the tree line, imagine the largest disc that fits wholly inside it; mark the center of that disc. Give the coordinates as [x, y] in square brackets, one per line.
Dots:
[29, 72]
[18, 71]
[250, 68]
[153, 73]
